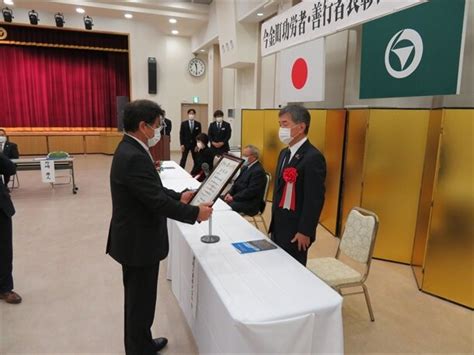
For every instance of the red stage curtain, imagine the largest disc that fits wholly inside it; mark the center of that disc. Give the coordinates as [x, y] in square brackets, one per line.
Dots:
[54, 87]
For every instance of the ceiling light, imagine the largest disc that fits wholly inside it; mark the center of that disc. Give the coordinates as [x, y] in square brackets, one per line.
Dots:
[80, 10]
[7, 14]
[33, 15]
[175, 32]
[128, 16]
[8, 2]
[59, 19]
[88, 22]
[202, 50]
[172, 20]
[259, 14]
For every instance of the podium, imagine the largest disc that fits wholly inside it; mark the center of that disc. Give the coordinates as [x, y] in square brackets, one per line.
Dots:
[161, 151]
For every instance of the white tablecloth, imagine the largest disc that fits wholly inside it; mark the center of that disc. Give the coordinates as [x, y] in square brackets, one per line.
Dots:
[259, 303]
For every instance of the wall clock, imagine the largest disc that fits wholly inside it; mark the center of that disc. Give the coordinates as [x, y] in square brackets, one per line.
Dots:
[196, 67]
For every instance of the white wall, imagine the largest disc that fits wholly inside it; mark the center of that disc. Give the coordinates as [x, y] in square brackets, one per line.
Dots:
[172, 53]
[177, 85]
[244, 7]
[209, 33]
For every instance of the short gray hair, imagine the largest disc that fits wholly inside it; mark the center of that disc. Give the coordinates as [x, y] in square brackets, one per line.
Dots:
[253, 150]
[298, 113]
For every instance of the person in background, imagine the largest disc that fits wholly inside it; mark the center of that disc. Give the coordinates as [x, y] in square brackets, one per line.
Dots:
[247, 193]
[10, 150]
[298, 195]
[6, 235]
[168, 125]
[219, 134]
[190, 128]
[138, 235]
[203, 155]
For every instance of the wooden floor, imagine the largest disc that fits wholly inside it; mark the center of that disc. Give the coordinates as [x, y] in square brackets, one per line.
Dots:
[73, 292]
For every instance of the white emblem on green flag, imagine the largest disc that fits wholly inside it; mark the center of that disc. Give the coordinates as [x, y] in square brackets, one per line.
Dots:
[414, 52]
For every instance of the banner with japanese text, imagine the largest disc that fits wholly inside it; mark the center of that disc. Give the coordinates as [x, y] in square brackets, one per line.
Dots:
[317, 18]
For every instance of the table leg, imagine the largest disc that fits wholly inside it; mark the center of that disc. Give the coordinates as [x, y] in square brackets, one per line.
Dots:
[74, 187]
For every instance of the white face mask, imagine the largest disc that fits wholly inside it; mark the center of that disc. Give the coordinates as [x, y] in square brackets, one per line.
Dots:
[156, 138]
[246, 161]
[3, 139]
[191, 117]
[200, 145]
[219, 119]
[285, 135]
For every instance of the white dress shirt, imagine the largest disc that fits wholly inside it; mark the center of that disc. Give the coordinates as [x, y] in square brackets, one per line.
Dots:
[143, 145]
[295, 147]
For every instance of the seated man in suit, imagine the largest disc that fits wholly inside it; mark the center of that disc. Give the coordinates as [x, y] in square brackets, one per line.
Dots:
[298, 195]
[203, 155]
[247, 192]
[10, 150]
[190, 128]
[219, 134]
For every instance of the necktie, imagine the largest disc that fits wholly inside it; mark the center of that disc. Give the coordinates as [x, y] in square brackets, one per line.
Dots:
[219, 126]
[286, 161]
[191, 125]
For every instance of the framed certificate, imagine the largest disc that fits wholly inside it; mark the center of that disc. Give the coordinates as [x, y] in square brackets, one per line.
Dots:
[212, 187]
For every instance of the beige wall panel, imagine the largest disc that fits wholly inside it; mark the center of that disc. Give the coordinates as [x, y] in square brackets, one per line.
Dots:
[94, 144]
[353, 162]
[395, 152]
[30, 145]
[426, 194]
[70, 144]
[449, 255]
[111, 142]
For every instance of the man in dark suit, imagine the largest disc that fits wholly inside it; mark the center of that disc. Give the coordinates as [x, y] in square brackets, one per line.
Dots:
[6, 246]
[246, 194]
[138, 237]
[188, 132]
[168, 125]
[298, 195]
[10, 150]
[219, 134]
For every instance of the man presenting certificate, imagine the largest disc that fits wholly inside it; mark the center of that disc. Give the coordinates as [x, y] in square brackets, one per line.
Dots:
[138, 237]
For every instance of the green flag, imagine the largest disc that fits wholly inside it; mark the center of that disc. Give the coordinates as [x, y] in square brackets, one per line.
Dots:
[414, 52]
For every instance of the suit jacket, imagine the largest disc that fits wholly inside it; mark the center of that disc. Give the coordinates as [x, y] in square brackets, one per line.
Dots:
[10, 149]
[309, 188]
[186, 137]
[6, 168]
[220, 135]
[249, 188]
[140, 205]
[203, 156]
[169, 126]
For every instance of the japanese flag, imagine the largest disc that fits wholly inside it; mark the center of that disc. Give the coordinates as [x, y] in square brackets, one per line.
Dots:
[302, 70]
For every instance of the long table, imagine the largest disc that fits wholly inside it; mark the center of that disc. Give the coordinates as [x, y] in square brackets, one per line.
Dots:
[27, 164]
[258, 303]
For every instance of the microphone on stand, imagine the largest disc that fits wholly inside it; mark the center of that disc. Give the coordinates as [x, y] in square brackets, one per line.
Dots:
[205, 169]
[208, 238]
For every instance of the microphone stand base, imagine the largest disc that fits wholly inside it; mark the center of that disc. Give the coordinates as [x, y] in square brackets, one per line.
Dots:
[209, 239]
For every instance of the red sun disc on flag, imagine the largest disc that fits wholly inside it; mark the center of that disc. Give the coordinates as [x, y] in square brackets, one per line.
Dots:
[299, 73]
